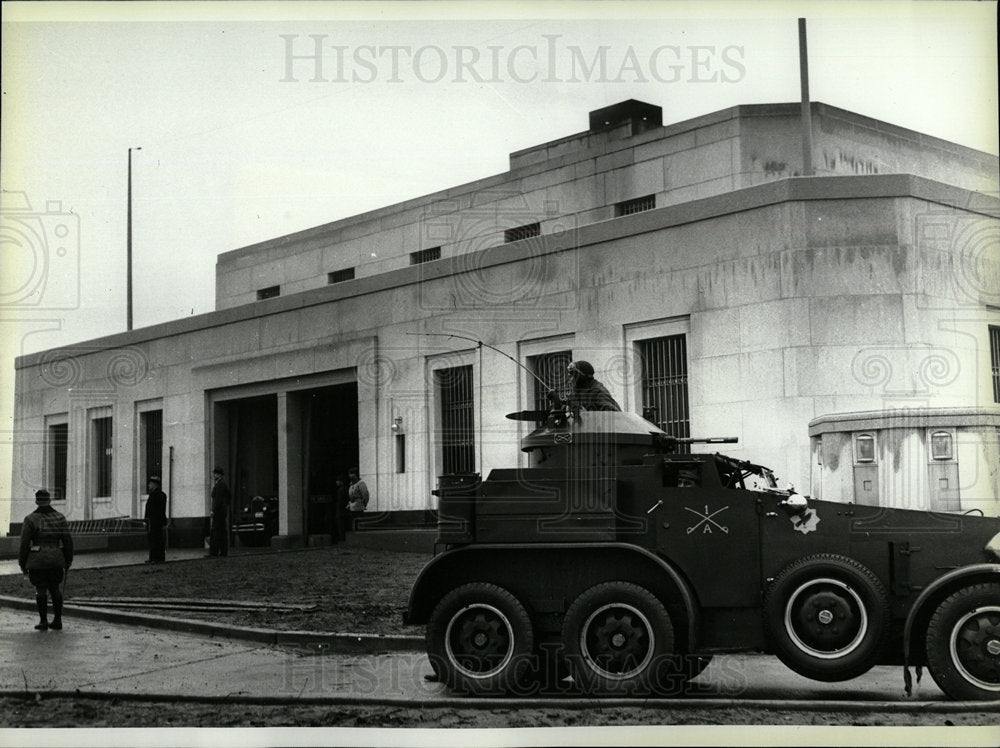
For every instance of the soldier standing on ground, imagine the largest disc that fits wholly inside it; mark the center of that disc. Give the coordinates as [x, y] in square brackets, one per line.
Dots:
[46, 551]
[219, 542]
[156, 521]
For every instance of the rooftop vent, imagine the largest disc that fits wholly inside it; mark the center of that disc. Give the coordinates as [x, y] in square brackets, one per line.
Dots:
[639, 114]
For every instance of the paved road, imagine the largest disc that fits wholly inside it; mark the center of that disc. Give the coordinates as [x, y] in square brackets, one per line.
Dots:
[103, 657]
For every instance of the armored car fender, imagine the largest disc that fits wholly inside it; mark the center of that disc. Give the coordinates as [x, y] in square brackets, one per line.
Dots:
[954, 621]
[523, 570]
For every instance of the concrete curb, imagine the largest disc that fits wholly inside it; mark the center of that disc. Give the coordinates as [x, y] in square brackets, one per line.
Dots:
[327, 643]
[453, 702]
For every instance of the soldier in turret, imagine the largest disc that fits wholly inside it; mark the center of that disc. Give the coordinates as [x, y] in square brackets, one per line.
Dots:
[588, 393]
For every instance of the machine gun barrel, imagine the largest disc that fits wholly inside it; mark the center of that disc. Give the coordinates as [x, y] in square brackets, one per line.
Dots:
[709, 440]
[671, 443]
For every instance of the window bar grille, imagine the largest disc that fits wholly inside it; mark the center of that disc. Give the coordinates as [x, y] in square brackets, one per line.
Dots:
[664, 382]
[154, 443]
[550, 368]
[457, 420]
[104, 451]
[995, 360]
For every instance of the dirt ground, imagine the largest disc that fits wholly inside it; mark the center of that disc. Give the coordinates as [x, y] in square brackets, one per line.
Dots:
[357, 590]
[125, 713]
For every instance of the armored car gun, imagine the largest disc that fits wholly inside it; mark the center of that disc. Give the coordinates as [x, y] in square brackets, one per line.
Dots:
[620, 558]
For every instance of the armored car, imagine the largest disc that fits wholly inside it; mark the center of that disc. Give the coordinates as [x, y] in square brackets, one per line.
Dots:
[624, 560]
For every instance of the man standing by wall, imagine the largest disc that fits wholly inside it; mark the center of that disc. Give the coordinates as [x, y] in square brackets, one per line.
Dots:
[46, 550]
[156, 521]
[219, 542]
[357, 494]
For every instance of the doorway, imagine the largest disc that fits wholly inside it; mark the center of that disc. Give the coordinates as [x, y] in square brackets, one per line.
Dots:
[330, 447]
[250, 458]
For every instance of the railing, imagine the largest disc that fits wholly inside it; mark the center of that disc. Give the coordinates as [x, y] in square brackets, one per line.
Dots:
[123, 525]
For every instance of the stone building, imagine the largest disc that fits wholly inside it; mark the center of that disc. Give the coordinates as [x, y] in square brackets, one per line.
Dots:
[841, 325]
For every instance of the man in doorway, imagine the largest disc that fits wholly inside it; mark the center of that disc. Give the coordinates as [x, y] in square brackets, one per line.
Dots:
[218, 544]
[156, 521]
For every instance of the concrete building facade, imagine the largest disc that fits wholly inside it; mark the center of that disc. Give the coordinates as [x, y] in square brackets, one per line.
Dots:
[841, 325]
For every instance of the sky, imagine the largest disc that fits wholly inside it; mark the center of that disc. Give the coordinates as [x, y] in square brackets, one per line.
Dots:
[255, 120]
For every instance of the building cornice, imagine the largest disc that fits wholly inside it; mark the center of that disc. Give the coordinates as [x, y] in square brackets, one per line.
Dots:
[876, 420]
[796, 189]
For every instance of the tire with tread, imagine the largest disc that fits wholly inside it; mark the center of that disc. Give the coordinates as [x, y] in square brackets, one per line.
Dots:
[480, 640]
[827, 617]
[619, 640]
[963, 643]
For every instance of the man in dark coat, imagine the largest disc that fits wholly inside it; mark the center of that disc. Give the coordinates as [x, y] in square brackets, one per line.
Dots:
[219, 543]
[588, 393]
[46, 550]
[156, 521]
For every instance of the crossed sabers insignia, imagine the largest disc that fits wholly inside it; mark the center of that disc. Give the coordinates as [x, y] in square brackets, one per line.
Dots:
[706, 520]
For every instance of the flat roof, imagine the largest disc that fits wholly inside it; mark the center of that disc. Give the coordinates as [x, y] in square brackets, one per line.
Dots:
[741, 111]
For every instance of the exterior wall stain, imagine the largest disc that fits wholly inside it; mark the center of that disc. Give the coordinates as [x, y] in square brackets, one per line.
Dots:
[774, 168]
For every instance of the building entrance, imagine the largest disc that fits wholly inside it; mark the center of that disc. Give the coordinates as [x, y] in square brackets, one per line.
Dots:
[249, 452]
[330, 428]
[282, 453]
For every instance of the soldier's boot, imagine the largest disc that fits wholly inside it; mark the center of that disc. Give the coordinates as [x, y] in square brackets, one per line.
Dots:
[57, 605]
[43, 613]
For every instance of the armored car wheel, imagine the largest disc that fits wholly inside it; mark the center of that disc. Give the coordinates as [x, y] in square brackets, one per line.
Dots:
[479, 640]
[826, 617]
[618, 639]
[963, 643]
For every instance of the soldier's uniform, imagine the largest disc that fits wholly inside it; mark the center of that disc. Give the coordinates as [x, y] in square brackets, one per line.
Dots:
[46, 550]
[588, 393]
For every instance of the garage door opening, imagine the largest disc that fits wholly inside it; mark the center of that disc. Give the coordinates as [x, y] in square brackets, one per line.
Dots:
[330, 425]
[248, 451]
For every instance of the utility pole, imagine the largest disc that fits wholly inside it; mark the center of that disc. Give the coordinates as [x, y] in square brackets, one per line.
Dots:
[128, 231]
[807, 142]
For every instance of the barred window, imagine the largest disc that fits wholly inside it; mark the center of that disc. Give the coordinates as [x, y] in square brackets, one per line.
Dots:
[551, 369]
[103, 451]
[639, 204]
[339, 276]
[425, 255]
[268, 293]
[458, 437]
[58, 454]
[522, 232]
[151, 439]
[664, 382]
[995, 360]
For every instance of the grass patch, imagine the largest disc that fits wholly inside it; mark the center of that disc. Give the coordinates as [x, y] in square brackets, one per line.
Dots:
[357, 590]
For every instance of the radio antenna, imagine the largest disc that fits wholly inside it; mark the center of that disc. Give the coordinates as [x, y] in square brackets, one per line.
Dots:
[480, 344]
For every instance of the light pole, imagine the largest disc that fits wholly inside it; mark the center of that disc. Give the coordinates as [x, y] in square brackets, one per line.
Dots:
[128, 231]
